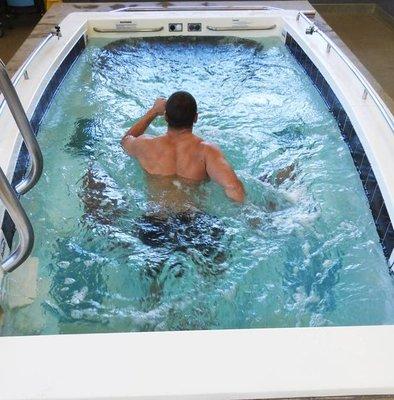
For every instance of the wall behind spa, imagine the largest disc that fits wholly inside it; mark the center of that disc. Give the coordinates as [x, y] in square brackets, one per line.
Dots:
[386, 5]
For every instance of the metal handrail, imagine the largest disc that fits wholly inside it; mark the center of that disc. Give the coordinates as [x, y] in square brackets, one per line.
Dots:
[195, 8]
[23, 69]
[204, 7]
[8, 195]
[26, 130]
[7, 87]
[368, 89]
[22, 224]
[128, 30]
[241, 28]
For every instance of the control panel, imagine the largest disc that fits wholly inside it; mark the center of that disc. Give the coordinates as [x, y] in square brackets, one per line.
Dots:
[175, 27]
[194, 27]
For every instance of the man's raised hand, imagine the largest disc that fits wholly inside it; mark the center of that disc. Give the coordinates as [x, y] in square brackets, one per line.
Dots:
[159, 107]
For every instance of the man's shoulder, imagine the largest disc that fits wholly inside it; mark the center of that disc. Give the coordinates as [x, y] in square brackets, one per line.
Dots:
[153, 140]
[210, 148]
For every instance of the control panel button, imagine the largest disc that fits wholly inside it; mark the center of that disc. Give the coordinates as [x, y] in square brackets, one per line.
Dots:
[194, 27]
[175, 27]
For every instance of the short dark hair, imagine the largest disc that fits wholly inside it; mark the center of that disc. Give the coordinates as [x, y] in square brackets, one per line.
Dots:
[181, 110]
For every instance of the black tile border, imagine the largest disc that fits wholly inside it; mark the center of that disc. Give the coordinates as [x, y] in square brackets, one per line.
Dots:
[380, 215]
[8, 227]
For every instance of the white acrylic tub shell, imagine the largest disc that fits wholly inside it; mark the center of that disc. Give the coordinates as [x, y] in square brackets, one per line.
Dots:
[228, 364]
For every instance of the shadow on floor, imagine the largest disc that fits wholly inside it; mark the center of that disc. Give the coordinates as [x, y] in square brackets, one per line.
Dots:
[16, 30]
[369, 33]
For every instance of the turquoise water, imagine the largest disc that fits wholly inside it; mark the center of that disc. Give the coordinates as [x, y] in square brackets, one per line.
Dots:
[302, 251]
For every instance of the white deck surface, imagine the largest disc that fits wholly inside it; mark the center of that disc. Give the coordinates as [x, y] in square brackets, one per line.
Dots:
[232, 364]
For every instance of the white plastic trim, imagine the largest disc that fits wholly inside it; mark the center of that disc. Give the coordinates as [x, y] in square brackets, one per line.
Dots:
[233, 364]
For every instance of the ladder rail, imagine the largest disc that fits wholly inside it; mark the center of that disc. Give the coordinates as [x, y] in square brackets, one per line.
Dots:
[22, 223]
[26, 130]
[8, 195]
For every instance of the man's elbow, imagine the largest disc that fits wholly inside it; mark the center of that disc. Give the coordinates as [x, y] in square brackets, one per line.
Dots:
[236, 192]
[126, 144]
[123, 142]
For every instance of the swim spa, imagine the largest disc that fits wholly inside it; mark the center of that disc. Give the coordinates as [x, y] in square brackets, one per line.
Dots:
[294, 225]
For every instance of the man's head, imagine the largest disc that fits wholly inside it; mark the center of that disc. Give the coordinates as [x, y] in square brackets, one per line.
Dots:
[181, 110]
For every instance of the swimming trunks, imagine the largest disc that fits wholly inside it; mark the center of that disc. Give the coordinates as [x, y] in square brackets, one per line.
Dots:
[181, 231]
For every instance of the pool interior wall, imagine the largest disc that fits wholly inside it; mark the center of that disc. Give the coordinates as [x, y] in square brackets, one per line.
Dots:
[382, 220]
[351, 362]
[8, 226]
[378, 208]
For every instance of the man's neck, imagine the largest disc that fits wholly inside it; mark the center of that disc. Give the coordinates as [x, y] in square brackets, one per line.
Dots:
[178, 132]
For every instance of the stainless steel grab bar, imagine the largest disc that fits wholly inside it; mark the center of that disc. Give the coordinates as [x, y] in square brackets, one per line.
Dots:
[23, 69]
[20, 117]
[128, 30]
[7, 194]
[203, 7]
[22, 223]
[193, 7]
[368, 89]
[241, 28]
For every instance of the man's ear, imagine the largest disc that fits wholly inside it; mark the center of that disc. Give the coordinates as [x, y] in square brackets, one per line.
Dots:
[195, 118]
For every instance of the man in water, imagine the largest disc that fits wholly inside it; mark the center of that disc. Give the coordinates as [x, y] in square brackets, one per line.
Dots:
[176, 163]
[179, 152]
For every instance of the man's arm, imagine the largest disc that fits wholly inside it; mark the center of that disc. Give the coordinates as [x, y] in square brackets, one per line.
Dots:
[221, 172]
[131, 141]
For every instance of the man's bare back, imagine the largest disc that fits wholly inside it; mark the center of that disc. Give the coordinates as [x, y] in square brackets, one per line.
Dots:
[179, 152]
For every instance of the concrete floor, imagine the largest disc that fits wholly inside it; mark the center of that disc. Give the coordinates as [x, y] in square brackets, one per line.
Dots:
[16, 32]
[369, 33]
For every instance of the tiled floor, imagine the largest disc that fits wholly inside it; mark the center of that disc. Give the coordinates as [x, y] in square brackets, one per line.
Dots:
[370, 36]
